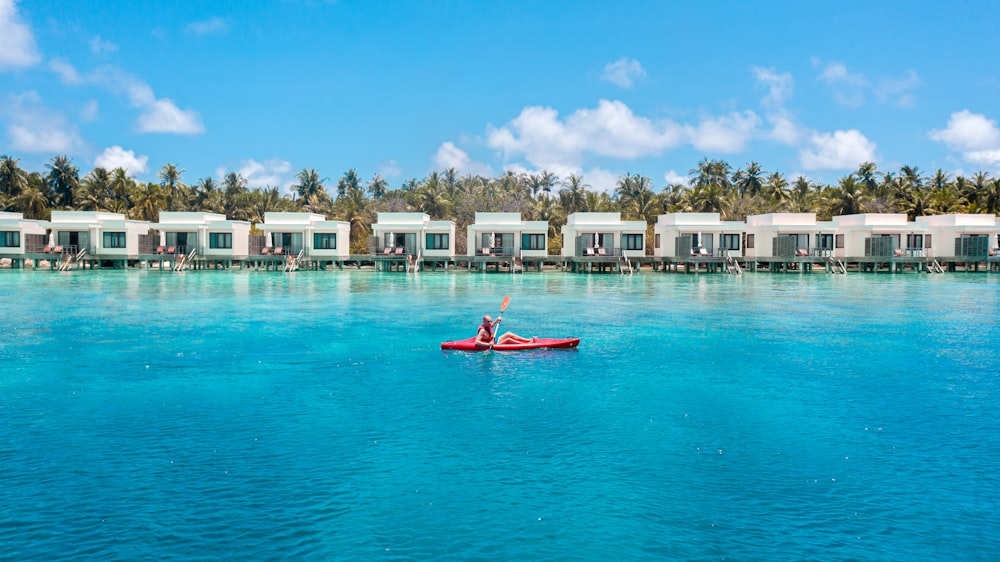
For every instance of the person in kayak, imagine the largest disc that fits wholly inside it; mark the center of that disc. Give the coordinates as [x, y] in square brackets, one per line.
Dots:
[485, 335]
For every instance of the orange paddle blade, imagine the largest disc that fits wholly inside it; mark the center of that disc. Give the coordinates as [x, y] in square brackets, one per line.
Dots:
[503, 305]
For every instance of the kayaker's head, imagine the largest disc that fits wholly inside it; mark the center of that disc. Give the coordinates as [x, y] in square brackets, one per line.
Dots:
[487, 319]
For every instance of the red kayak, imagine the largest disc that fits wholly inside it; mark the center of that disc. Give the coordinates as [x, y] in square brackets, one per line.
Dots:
[538, 343]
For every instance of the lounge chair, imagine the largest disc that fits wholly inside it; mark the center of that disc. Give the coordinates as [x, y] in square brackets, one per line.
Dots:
[279, 250]
[46, 249]
[172, 250]
[485, 251]
[266, 250]
[703, 252]
[588, 251]
[898, 252]
[387, 251]
[400, 251]
[57, 250]
[602, 252]
[160, 249]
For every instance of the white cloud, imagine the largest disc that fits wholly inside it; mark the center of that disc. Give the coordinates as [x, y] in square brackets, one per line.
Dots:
[725, 133]
[269, 173]
[90, 110]
[974, 135]
[785, 130]
[157, 115]
[66, 71]
[99, 46]
[987, 158]
[34, 128]
[839, 150]
[600, 179]
[209, 26]
[117, 157]
[967, 131]
[779, 85]
[17, 44]
[162, 116]
[897, 90]
[837, 73]
[623, 72]
[389, 169]
[450, 156]
[672, 177]
[610, 129]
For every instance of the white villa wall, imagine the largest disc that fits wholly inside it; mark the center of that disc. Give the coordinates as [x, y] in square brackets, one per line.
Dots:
[420, 225]
[944, 229]
[309, 224]
[506, 223]
[709, 226]
[578, 224]
[15, 222]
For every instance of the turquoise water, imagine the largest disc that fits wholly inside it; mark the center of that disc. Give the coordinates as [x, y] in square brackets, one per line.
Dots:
[238, 415]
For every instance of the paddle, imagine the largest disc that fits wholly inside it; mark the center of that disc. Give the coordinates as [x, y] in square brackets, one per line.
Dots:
[503, 307]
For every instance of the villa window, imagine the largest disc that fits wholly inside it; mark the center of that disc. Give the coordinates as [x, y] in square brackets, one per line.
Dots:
[656, 241]
[839, 241]
[914, 241]
[927, 241]
[824, 241]
[632, 242]
[750, 241]
[437, 241]
[731, 241]
[325, 240]
[114, 239]
[532, 241]
[220, 240]
[10, 239]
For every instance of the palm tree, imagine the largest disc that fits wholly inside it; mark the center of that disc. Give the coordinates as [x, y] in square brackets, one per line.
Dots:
[848, 197]
[12, 178]
[32, 203]
[712, 172]
[147, 199]
[350, 180]
[378, 186]
[573, 195]
[203, 191]
[635, 195]
[991, 197]
[310, 186]
[354, 208]
[95, 190]
[170, 181]
[233, 186]
[63, 179]
[432, 198]
[751, 181]
[122, 185]
[866, 176]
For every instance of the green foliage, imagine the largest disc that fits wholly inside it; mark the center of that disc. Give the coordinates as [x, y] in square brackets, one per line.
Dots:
[713, 186]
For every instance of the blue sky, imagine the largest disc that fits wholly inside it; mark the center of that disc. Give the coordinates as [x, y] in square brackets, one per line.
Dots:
[592, 88]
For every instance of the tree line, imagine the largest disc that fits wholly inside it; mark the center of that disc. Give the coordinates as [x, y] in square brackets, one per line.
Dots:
[714, 186]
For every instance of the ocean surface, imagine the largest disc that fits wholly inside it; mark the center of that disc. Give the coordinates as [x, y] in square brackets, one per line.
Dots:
[312, 416]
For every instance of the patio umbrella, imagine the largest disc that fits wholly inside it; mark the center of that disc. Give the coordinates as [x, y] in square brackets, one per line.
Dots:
[596, 243]
[163, 238]
[52, 239]
[493, 240]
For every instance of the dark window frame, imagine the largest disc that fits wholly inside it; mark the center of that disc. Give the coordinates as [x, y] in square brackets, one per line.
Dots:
[226, 240]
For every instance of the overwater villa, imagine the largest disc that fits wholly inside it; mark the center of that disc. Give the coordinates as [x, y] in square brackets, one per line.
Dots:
[19, 237]
[196, 240]
[301, 240]
[84, 239]
[874, 240]
[783, 241]
[973, 240]
[411, 241]
[696, 239]
[603, 240]
[504, 240]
